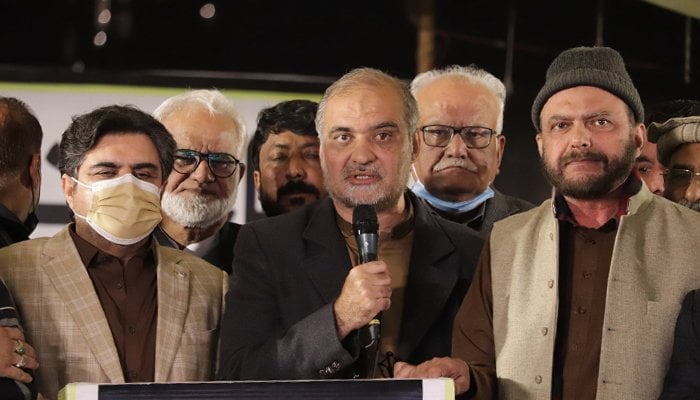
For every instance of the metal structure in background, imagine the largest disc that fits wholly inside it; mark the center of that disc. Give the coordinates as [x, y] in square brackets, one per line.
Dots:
[687, 54]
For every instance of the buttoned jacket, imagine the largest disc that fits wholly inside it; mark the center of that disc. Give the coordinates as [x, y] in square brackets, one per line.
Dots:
[288, 271]
[653, 266]
[66, 324]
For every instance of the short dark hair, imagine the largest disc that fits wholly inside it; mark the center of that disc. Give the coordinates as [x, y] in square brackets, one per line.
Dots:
[663, 111]
[87, 129]
[296, 116]
[20, 135]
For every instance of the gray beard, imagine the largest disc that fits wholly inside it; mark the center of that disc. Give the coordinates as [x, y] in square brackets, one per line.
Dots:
[197, 211]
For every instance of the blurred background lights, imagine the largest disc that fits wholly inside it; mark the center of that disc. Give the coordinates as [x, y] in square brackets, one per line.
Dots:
[104, 17]
[100, 39]
[207, 11]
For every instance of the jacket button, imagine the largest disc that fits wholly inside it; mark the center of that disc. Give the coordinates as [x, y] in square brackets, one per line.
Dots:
[545, 331]
[550, 283]
[538, 379]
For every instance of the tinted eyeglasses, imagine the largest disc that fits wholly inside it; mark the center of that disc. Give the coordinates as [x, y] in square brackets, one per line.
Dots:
[679, 177]
[222, 165]
[474, 137]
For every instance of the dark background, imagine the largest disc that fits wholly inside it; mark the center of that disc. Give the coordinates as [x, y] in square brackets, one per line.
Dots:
[304, 45]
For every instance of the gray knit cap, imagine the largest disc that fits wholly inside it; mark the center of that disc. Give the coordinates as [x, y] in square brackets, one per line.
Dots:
[601, 67]
[673, 133]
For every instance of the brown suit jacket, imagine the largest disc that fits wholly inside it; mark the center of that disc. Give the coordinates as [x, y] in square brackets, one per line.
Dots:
[65, 322]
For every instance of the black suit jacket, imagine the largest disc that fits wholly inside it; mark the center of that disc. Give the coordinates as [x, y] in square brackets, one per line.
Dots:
[221, 255]
[287, 272]
[683, 377]
[501, 206]
[12, 231]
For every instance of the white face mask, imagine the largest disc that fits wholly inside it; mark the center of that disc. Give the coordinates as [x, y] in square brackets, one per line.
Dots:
[123, 210]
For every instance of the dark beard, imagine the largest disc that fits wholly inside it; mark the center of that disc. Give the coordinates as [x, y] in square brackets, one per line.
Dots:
[614, 173]
[271, 207]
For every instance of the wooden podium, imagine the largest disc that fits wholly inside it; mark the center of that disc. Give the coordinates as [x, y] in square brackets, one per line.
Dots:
[385, 389]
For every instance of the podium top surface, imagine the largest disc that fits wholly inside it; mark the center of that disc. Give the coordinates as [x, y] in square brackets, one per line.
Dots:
[387, 389]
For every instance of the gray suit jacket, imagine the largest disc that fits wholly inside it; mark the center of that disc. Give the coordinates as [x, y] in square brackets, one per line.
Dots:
[287, 272]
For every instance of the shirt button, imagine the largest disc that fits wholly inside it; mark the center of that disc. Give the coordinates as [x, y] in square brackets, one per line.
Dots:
[590, 241]
[582, 310]
[538, 379]
[550, 283]
[133, 374]
[587, 275]
[132, 330]
[119, 285]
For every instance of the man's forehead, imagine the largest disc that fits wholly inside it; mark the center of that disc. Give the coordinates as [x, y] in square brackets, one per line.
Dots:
[686, 155]
[288, 138]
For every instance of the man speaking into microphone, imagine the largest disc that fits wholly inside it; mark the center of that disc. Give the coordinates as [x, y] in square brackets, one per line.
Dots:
[301, 298]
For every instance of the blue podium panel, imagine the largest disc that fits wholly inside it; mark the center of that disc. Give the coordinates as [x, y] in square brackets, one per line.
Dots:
[385, 389]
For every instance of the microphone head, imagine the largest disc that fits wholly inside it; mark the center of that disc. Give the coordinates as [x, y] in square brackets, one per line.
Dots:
[364, 219]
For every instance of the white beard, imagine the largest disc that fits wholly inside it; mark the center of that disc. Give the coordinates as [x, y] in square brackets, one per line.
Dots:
[197, 211]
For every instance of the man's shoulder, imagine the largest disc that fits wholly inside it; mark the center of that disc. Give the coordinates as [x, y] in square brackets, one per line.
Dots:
[425, 215]
[169, 258]
[30, 247]
[659, 207]
[526, 217]
[512, 203]
[294, 220]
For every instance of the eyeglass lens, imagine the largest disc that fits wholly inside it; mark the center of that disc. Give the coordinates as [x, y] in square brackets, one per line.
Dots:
[221, 165]
[474, 137]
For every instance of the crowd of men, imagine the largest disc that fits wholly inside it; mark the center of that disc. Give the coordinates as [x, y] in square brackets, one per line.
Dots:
[576, 298]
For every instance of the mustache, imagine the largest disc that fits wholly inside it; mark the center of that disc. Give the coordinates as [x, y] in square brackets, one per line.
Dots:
[693, 205]
[582, 156]
[297, 187]
[452, 162]
[360, 169]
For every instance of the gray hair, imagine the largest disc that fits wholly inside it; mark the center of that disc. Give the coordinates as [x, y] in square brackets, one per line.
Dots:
[374, 78]
[470, 74]
[213, 101]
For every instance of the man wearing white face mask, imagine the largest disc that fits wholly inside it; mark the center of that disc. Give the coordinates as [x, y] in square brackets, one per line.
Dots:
[460, 146]
[101, 298]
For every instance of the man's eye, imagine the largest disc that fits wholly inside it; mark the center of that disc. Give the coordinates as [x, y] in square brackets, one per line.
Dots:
[279, 157]
[560, 125]
[185, 160]
[342, 138]
[643, 170]
[383, 136]
[142, 175]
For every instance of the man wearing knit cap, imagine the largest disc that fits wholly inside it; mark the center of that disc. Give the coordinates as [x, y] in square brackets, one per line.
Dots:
[678, 147]
[576, 299]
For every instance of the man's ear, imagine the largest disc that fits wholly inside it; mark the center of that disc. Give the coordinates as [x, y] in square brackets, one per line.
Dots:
[416, 145]
[500, 148]
[241, 172]
[256, 180]
[538, 139]
[68, 186]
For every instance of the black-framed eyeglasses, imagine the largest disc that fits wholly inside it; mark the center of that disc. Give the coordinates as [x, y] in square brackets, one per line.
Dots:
[474, 137]
[679, 177]
[222, 165]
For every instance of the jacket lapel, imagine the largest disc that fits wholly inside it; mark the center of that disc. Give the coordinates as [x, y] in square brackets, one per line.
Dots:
[173, 303]
[68, 274]
[431, 278]
[326, 258]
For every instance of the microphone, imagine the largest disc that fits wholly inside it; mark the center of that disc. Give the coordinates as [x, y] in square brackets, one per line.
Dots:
[366, 227]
